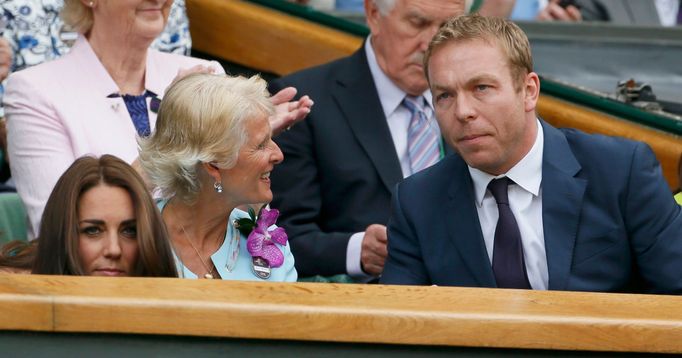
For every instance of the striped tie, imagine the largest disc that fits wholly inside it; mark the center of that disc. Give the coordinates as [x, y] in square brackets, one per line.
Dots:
[422, 136]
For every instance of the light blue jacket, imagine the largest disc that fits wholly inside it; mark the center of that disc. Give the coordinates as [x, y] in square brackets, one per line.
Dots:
[243, 269]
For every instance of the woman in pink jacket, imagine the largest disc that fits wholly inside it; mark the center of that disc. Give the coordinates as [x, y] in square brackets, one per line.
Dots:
[98, 98]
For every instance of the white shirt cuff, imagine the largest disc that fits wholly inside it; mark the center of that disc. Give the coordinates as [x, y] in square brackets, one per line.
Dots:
[353, 251]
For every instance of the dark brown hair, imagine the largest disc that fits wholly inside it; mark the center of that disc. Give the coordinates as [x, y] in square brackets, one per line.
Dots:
[57, 252]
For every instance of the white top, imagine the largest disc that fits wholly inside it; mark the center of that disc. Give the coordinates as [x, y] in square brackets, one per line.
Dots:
[525, 201]
[398, 118]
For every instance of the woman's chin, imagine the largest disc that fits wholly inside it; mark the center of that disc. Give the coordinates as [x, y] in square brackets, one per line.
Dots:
[264, 198]
[150, 29]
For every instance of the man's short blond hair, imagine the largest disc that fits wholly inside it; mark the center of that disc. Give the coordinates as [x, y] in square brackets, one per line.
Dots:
[202, 119]
[506, 34]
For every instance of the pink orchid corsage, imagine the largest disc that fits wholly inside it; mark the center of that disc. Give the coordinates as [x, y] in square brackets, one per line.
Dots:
[262, 238]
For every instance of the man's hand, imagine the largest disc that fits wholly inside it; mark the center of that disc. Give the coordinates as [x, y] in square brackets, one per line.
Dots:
[554, 12]
[373, 253]
[287, 112]
[5, 58]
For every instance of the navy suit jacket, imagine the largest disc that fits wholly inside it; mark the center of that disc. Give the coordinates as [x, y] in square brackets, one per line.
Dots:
[339, 167]
[610, 222]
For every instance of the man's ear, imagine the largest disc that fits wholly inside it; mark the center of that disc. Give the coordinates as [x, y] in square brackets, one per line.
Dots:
[531, 91]
[372, 16]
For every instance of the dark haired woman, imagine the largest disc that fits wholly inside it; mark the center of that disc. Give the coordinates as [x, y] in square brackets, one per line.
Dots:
[101, 221]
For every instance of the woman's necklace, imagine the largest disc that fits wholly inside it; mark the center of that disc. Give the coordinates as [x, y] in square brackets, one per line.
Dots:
[210, 269]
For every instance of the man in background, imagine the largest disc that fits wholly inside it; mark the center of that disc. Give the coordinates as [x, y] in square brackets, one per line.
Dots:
[372, 125]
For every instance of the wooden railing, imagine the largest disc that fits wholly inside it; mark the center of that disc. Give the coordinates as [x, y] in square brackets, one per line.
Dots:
[377, 314]
[271, 41]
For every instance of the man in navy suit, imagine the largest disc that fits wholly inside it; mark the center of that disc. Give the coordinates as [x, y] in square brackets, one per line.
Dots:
[334, 186]
[523, 204]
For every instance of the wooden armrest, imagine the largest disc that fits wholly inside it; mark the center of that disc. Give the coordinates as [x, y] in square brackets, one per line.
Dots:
[449, 316]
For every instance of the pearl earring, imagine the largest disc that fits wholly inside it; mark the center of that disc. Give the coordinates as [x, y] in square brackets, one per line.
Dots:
[218, 186]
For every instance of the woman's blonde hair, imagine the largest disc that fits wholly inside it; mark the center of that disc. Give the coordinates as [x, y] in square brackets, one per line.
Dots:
[77, 16]
[201, 120]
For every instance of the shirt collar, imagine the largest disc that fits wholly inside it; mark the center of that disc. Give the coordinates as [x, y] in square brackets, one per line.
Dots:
[154, 79]
[390, 95]
[527, 173]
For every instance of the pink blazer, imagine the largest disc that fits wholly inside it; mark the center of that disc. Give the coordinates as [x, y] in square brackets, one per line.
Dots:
[59, 111]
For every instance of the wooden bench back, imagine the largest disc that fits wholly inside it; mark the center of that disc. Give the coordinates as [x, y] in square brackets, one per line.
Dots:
[447, 316]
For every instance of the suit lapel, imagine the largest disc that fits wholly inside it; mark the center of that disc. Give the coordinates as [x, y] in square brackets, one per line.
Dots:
[464, 227]
[562, 199]
[155, 82]
[356, 96]
[100, 84]
[100, 79]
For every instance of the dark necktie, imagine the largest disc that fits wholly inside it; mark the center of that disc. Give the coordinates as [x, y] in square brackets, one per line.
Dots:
[508, 264]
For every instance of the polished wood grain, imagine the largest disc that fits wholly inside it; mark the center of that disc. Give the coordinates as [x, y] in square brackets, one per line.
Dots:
[668, 147]
[264, 39]
[19, 311]
[450, 316]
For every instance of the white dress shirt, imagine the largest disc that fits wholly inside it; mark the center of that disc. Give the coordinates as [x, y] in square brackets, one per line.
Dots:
[525, 200]
[398, 118]
[667, 11]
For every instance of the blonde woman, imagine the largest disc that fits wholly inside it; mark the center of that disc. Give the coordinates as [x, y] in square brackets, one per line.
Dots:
[211, 153]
